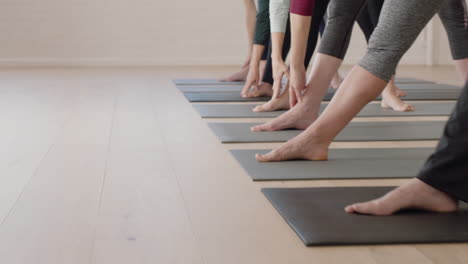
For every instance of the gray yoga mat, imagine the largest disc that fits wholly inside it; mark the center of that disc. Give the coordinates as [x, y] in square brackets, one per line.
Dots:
[222, 97]
[432, 94]
[238, 87]
[402, 80]
[371, 110]
[317, 216]
[341, 164]
[202, 82]
[218, 82]
[355, 131]
[209, 88]
[414, 94]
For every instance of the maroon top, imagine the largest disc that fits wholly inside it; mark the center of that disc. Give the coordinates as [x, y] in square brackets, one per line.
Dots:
[302, 7]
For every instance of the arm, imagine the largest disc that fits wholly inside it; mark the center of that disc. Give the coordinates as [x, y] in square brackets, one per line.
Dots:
[253, 77]
[301, 18]
[261, 38]
[250, 13]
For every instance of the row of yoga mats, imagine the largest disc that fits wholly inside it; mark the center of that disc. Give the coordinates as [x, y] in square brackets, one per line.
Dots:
[371, 110]
[355, 131]
[238, 87]
[433, 92]
[219, 82]
[317, 214]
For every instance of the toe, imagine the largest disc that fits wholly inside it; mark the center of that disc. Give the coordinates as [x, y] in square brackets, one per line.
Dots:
[408, 108]
[271, 156]
[260, 128]
[349, 209]
[257, 128]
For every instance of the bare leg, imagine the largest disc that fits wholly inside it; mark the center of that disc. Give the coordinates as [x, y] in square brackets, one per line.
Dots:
[250, 14]
[336, 82]
[305, 112]
[413, 195]
[239, 76]
[358, 89]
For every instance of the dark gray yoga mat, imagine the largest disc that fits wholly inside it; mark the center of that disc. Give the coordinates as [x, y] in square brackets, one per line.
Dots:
[202, 82]
[195, 81]
[245, 110]
[317, 216]
[342, 164]
[355, 131]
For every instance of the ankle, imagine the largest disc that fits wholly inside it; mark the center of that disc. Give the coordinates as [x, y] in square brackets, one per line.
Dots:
[318, 138]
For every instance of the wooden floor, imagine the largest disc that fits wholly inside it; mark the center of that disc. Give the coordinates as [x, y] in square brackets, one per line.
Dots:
[113, 165]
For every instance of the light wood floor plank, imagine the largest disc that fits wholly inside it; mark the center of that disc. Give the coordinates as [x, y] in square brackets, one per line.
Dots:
[142, 217]
[32, 115]
[54, 219]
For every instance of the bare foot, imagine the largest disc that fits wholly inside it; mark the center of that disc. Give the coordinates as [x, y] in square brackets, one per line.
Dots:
[412, 195]
[396, 90]
[392, 101]
[399, 92]
[300, 147]
[264, 89]
[239, 76]
[336, 81]
[299, 117]
[275, 104]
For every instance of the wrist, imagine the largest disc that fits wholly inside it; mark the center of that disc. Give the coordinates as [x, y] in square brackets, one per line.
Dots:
[276, 57]
[297, 66]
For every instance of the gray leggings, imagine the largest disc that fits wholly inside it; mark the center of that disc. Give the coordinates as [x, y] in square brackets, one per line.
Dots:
[400, 23]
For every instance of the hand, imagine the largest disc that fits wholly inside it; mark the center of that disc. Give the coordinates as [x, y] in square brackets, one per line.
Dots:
[280, 69]
[297, 84]
[252, 80]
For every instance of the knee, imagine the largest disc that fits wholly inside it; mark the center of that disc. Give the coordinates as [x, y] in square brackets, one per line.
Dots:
[381, 61]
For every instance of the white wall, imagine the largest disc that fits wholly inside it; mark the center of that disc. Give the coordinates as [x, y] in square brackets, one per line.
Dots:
[144, 32]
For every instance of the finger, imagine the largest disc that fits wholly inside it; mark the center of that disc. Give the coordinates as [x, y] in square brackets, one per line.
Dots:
[292, 97]
[276, 89]
[246, 88]
[287, 85]
[298, 93]
[255, 85]
[286, 73]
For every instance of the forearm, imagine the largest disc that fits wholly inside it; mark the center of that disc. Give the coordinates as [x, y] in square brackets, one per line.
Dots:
[250, 14]
[300, 27]
[257, 51]
[277, 40]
